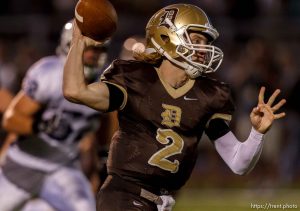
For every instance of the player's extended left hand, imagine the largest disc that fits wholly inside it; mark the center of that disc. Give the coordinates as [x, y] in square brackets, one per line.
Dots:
[263, 115]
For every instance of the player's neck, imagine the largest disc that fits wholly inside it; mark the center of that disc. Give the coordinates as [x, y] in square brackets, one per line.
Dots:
[172, 75]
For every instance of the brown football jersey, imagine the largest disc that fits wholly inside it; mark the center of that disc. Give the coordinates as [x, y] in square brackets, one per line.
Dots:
[160, 127]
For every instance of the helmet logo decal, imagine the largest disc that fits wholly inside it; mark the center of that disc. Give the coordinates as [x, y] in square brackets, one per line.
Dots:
[170, 14]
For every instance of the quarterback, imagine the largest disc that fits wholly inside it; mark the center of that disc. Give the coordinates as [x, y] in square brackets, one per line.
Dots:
[166, 100]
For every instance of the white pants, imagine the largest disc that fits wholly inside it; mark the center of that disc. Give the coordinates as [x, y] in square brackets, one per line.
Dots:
[11, 197]
[65, 190]
[37, 205]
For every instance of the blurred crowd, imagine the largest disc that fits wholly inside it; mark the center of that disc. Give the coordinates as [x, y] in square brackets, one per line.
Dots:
[260, 40]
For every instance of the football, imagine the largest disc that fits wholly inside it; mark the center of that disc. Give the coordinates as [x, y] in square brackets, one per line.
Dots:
[96, 19]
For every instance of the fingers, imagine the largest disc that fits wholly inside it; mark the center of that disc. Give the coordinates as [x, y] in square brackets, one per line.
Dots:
[76, 34]
[256, 111]
[278, 105]
[261, 95]
[280, 115]
[267, 111]
[87, 41]
[273, 97]
[90, 42]
[76, 30]
[75, 27]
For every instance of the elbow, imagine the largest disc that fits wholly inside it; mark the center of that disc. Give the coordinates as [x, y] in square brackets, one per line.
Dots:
[241, 172]
[243, 166]
[70, 95]
[240, 169]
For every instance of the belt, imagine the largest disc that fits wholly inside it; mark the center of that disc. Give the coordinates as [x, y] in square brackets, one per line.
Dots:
[135, 189]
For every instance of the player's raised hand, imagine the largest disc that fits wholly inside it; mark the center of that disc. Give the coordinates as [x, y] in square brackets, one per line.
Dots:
[78, 36]
[264, 114]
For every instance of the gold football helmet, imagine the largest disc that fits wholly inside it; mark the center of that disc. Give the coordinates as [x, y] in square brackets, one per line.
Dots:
[168, 33]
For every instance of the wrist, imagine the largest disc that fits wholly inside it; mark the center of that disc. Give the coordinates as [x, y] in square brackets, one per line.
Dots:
[256, 135]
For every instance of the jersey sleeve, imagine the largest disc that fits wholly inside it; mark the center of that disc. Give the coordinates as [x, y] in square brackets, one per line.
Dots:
[114, 76]
[222, 105]
[35, 84]
[222, 110]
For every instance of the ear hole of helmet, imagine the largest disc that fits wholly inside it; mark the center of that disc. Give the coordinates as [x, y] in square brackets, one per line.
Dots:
[165, 38]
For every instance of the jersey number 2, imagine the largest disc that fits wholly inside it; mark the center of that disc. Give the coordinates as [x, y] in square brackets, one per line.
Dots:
[159, 159]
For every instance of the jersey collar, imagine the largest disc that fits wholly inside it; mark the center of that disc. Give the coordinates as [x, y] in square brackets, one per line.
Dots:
[179, 92]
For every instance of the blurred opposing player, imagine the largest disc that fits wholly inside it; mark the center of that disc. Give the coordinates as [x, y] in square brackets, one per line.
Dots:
[166, 101]
[5, 139]
[8, 84]
[44, 162]
[5, 96]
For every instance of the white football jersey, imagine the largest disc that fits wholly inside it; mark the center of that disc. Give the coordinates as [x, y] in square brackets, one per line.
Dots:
[62, 123]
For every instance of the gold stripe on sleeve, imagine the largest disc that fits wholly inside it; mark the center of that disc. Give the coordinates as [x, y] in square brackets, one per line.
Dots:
[124, 92]
[226, 117]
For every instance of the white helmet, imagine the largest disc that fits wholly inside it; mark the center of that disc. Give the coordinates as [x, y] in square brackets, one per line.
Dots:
[65, 39]
[90, 72]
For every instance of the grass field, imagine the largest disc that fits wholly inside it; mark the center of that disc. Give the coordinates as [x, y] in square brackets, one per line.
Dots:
[237, 200]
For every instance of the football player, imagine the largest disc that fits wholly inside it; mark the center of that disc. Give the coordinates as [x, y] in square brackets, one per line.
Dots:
[5, 140]
[166, 100]
[8, 82]
[44, 161]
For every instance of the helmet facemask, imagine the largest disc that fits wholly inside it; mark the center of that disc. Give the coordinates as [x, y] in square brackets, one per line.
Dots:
[213, 55]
